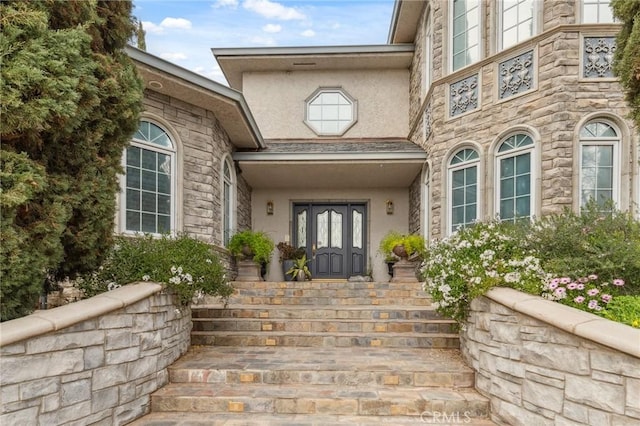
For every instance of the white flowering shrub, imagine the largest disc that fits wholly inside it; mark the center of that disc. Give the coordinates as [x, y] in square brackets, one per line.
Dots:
[187, 266]
[465, 265]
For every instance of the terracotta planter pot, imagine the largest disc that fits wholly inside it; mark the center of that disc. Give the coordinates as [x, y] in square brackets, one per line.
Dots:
[400, 251]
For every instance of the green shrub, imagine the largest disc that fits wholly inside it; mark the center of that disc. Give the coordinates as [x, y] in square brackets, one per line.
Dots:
[606, 243]
[185, 265]
[624, 309]
[258, 243]
[474, 259]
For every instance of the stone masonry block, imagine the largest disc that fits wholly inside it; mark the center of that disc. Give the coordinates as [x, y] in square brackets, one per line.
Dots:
[74, 392]
[36, 388]
[104, 399]
[616, 363]
[24, 369]
[599, 395]
[63, 341]
[109, 376]
[563, 358]
[543, 396]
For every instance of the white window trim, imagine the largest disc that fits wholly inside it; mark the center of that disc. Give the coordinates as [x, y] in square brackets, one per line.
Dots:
[450, 169]
[533, 205]
[425, 201]
[582, 14]
[226, 159]
[428, 57]
[318, 92]
[602, 141]
[173, 153]
[500, 32]
[450, 37]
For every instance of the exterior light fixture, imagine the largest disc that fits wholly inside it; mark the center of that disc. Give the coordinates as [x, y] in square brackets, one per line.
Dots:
[269, 207]
[389, 206]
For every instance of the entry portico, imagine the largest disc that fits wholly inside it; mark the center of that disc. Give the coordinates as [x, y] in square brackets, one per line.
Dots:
[337, 166]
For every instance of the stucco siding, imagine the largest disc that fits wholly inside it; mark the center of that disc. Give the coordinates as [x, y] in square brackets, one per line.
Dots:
[277, 100]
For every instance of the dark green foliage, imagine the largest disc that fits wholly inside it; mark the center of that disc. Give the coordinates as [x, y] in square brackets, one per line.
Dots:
[595, 242]
[186, 265]
[627, 56]
[70, 99]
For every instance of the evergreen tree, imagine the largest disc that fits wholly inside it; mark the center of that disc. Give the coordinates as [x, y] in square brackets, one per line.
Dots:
[70, 99]
[627, 57]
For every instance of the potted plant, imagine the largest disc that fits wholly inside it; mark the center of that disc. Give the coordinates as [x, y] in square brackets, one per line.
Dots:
[288, 255]
[402, 246]
[252, 249]
[397, 249]
[300, 271]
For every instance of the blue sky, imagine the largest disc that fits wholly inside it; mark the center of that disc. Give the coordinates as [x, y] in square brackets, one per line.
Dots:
[184, 32]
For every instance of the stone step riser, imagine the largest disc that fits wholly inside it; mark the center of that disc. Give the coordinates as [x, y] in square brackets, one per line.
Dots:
[338, 378]
[447, 341]
[301, 326]
[331, 293]
[348, 403]
[328, 286]
[329, 301]
[362, 313]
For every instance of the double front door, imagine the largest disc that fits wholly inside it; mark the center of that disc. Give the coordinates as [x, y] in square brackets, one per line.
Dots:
[334, 236]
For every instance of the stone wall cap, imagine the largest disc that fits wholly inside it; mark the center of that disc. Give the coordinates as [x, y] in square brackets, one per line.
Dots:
[41, 322]
[584, 324]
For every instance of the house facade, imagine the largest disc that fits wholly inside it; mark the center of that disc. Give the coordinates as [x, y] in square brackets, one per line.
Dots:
[473, 109]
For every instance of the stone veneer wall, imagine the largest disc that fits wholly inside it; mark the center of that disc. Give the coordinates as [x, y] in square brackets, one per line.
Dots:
[414, 205]
[543, 363]
[560, 99]
[204, 145]
[91, 362]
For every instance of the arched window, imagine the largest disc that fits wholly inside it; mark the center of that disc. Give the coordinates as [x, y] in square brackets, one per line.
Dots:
[599, 164]
[514, 177]
[228, 197]
[149, 194]
[463, 188]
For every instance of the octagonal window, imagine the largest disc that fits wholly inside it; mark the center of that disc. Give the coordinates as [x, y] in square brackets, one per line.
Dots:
[330, 112]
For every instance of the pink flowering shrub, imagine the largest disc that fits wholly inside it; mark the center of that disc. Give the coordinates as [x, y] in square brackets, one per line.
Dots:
[589, 293]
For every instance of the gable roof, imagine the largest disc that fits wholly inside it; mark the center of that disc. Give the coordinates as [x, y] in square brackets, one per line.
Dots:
[228, 105]
[236, 61]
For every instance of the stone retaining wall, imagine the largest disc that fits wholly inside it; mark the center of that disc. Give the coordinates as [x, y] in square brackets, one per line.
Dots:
[95, 361]
[543, 363]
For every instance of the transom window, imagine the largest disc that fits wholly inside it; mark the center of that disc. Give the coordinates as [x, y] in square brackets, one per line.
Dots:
[149, 181]
[330, 112]
[517, 20]
[599, 142]
[596, 11]
[515, 180]
[465, 34]
[463, 178]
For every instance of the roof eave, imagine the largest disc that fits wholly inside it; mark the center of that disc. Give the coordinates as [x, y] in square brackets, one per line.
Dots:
[249, 137]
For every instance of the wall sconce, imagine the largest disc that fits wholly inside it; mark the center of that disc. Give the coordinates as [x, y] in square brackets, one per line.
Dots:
[269, 207]
[389, 207]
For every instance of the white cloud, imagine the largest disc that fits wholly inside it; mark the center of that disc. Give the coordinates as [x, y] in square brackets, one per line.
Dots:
[226, 3]
[308, 33]
[179, 23]
[167, 23]
[272, 10]
[173, 56]
[152, 28]
[272, 28]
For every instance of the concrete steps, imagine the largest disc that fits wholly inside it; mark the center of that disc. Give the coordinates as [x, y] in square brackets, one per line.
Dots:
[320, 353]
